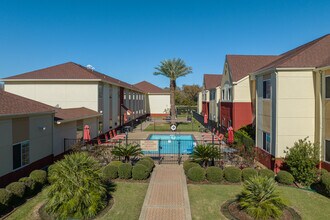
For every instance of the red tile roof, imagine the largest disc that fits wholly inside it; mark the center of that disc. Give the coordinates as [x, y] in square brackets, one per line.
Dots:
[241, 66]
[70, 114]
[312, 54]
[147, 87]
[211, 81]
[16, 105]
[70, 70]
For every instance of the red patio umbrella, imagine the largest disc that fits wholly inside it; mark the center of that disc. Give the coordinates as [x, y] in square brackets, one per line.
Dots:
[230, 135]
[87, 135]
[206, 115]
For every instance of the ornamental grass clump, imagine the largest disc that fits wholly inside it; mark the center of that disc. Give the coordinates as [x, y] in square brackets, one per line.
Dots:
[76, 189]
[260, 199]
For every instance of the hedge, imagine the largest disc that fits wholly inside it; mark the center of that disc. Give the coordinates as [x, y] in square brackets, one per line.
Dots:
[196, 174]
[325, 181]
[214, 174]
[125, 171]
[284, 177]
[267, 172]
[247, 173]
[110, 172]
[188, 165]
[40, 176]
[140, 172]
[5, 197]
[116, 163]
[16, 188]
[146, 163]
[30, 185]
[232, 174]
[149, 159]
[323, 171]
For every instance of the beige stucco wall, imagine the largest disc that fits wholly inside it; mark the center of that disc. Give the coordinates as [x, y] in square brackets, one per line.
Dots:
[241, 90]
[6, 158]
[295, 108]
[199, 102]
[64, 94]
[61, 131]
[158, 103]
[226, 82]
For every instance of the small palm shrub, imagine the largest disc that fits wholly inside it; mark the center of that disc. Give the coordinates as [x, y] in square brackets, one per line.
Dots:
[189, 165]
[127, 151]
[140, 172]
[116, 163]
[196, 174]
[30, 185]
[205, 153]
[284, 177]
[260, 199]
[40, 176]
[146, 163]
[16, 188]
[214, 174]
[125, 171]
[232, 174]
[110, 172]
[248, 173]
[77, 190]
[267, 172]
[325, 181]
[6, 198]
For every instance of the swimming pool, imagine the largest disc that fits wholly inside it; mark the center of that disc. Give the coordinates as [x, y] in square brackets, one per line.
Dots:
[173, 143]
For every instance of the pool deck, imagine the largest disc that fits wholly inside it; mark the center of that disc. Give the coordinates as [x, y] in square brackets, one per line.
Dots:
[137, 134]
[167, 195]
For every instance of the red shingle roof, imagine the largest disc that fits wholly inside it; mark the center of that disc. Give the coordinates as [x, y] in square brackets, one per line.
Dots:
[16, 105]
[147, 87]
[74, 114]
[70, 70]
[241, 66]
[312, 54]
[211, 81]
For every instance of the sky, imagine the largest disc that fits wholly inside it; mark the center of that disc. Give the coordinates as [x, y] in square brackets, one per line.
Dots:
[128, 39]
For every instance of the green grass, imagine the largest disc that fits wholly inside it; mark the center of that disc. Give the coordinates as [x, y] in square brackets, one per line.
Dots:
[128, 201]
[206, 200]
[194, 126]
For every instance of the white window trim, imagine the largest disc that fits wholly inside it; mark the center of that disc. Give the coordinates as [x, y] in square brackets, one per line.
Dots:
[270, 141]
[22, 166]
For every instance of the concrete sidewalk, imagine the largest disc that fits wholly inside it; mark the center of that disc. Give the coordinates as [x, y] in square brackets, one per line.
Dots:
[167, 195]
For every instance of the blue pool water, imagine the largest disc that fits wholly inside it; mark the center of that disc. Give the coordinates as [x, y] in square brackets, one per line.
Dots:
[173, 143]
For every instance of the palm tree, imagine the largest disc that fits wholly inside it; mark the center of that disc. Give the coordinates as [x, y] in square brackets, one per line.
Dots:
[127, 151]
[205, 153]
[173, 69]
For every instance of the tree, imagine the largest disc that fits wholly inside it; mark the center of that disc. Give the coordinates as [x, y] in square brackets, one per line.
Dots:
[77, 190]
[190, 93]
[173, 69]
[302, 160]
[127, 151]
[205, 153]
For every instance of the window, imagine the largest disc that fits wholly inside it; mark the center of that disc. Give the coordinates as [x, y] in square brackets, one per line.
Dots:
[327, 151]
[229, 123]
[266, 89]
[327, 87]
[100, 91]
[223, 94]
[266, 141]
[21, 154]
[212, 94]
[229, 94]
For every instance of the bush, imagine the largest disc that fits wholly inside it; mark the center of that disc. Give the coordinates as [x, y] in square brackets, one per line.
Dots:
[302, 159]
[189, 165]
[325, 181]
[125, 171]
[196, 174]
[140, 172]
[259, 198]
[17, 188]
[267, 172]
[232, 174]
[146, 163]
[30, 185]
[40, 176]
[77, 191]
[5, 197]
[116, 163]
[214, 174]
[284, 177]
[323, 171]
[149, 159]
[247, 173]
[110, 172]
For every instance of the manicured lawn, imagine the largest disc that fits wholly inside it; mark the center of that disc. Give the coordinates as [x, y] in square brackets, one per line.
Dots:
[128, 201]
[206, 200]
[194, 126]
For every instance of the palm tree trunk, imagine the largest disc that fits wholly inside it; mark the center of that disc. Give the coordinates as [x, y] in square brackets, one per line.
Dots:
[172, 99]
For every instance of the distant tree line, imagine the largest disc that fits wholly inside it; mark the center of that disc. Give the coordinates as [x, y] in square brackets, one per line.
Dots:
[187, 95]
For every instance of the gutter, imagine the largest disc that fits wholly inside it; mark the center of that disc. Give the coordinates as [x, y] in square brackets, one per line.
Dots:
[270, 70]
[76, 119]
[25, 114]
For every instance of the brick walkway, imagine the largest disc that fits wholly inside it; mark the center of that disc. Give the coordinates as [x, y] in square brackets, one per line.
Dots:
[167, 195]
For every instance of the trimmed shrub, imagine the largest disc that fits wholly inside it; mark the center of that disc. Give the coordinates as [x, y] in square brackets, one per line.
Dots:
[140, 172]
[323, 171]
[247, 173]
[146, 163]
[30, 185]
[17, 188]
[40, 176]
[232, 174]
[125, 171]
[284, 177]
[116, 163]
[49, 172]
[189, 165]
[267, 172]
[110, 172]
[214, 174]
[149, 159]
[196, 174]
[325, 181]
[5, 197]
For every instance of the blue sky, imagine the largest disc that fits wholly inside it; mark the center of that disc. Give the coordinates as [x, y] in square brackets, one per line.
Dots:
[127, 39]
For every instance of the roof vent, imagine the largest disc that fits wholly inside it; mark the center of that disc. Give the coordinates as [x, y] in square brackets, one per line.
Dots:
[90, 67]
